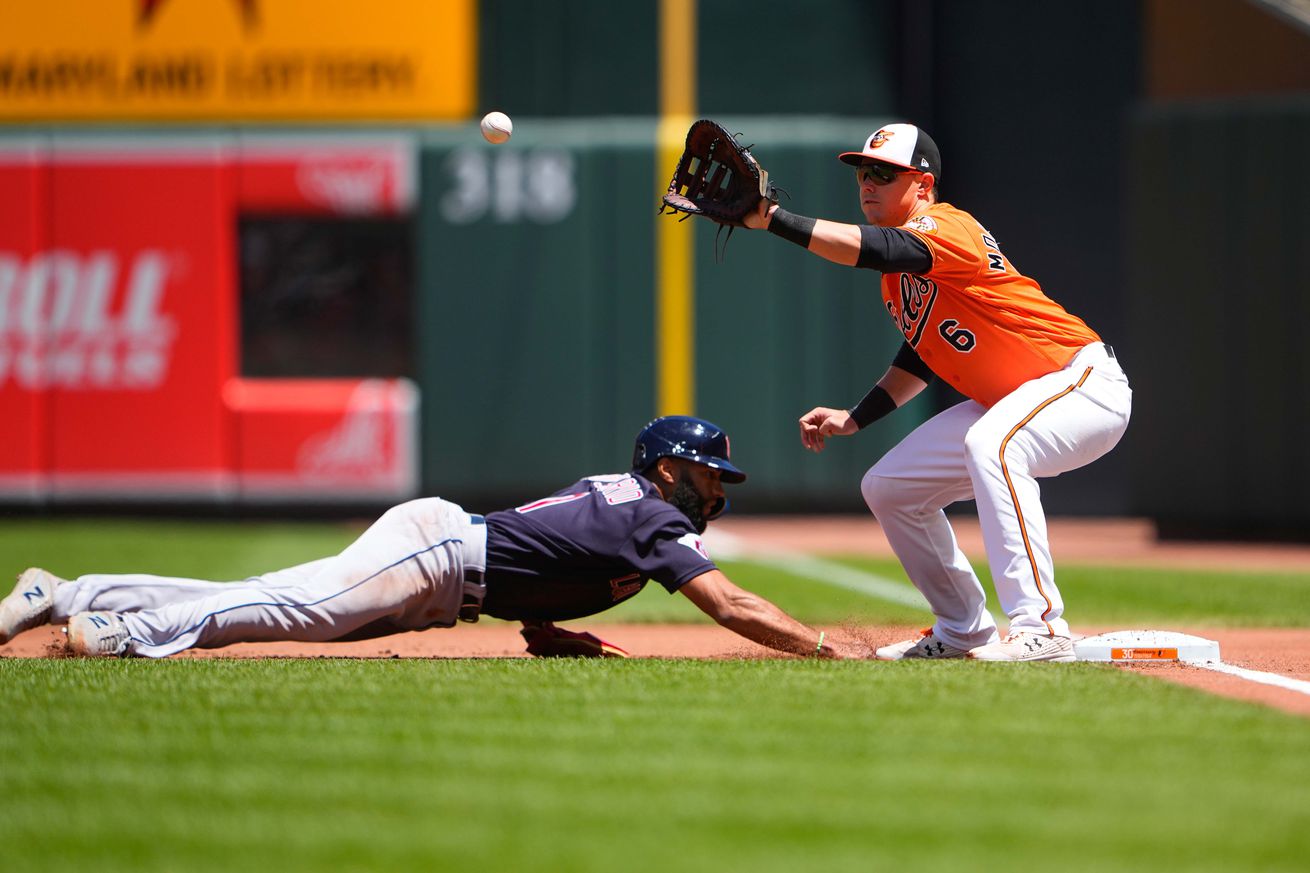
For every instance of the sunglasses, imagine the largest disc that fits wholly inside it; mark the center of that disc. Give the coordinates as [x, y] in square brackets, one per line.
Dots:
[879, 174]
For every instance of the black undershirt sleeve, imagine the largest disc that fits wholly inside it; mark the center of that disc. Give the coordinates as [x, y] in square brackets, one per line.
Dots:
[889, 249]
[909, 361]
[892, 250]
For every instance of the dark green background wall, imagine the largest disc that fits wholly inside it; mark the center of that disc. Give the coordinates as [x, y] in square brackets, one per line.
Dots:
[1042, 114]
[1028, 100]
[1031, 104]
[596, 57]
[536, 304]
[1218, 315]
[537, 356]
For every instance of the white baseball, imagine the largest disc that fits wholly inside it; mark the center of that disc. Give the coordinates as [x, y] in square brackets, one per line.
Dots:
[496, 127]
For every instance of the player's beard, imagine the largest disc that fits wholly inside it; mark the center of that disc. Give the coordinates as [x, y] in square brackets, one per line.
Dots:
[690, 503]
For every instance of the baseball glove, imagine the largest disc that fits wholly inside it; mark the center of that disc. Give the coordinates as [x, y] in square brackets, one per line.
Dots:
[717, 177]
[545, 640]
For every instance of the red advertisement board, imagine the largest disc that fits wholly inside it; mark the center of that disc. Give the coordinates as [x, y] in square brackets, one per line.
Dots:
[324, 438]
[23, 219]
[119, 376]
[141, 312]
[313, 177]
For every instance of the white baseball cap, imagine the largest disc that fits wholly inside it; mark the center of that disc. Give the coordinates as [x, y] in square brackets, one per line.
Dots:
[901, 145]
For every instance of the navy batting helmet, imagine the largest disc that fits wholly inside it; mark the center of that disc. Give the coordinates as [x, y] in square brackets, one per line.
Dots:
[682, 436]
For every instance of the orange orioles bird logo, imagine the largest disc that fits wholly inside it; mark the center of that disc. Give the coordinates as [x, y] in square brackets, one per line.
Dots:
[879, 139]
[148, 9]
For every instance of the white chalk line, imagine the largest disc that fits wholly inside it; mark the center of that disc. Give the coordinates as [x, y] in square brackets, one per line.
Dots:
[815, 569]
[1300, 686]
[839, 575]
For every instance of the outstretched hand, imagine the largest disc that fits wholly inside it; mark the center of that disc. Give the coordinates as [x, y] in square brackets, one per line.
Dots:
[545, 640]
[821, 422]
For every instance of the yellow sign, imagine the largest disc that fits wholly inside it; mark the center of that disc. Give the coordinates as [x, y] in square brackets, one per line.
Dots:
[250, 60]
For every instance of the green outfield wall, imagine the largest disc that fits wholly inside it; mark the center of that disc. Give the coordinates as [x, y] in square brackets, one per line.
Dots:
[537, 350]
[593, 57]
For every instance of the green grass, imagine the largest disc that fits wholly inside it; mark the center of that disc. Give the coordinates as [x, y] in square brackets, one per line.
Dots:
[768, 765]
[196, 549]
[786, 765]
[1200, 597]
[1135, 597]
[234, 550]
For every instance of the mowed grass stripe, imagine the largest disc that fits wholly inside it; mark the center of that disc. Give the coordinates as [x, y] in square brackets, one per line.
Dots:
[1140, 596]
[217, 550]
[766, 765]
[1094, 596]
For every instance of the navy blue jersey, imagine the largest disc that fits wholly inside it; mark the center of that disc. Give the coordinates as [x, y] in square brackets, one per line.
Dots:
[586, 548]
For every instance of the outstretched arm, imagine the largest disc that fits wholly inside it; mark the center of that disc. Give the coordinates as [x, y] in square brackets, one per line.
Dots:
[888, 249]
[759, 620]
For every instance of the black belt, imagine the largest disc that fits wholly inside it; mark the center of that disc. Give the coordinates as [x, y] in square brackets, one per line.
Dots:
[471, 606]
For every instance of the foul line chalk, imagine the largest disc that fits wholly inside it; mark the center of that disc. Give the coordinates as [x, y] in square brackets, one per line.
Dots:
[841, 576]
[1300, 686]
[816, 570]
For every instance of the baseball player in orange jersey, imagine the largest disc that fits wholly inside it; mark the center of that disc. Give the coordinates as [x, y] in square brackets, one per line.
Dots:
[1045, 395]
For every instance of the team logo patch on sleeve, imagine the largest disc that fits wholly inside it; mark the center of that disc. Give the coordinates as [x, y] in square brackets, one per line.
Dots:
[923, 223]
[693, 542]
[625, 586]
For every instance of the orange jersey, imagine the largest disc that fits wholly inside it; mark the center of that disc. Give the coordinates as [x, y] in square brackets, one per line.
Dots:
[976, 321]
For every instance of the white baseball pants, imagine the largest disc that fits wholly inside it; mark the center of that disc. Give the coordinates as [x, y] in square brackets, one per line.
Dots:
[1045, 427]
[406, 572]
